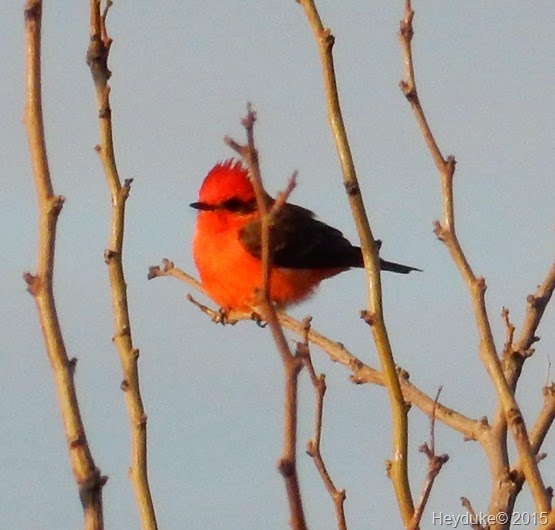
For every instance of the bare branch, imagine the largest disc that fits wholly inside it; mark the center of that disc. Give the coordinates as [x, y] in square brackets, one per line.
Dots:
[474, 517]
[88, 477]
[536, 307]
[510, 333]
[370, 248]
[435, 463]
[292, 364]
[471, 429]
[313, 445]
[97, 59]
[446, 232]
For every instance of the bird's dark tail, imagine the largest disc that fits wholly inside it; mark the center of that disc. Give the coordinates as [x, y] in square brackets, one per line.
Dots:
[396, 267]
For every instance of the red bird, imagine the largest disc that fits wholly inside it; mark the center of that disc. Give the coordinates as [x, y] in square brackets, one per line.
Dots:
[227, 249]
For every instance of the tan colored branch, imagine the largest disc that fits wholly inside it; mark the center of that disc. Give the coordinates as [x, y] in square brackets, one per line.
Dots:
[474, 518]
[97, 58]
[87, 475]
[313, 446]
[292, 364]
[507, 490]
[361, 373]
[536, 307]
[446, 232]
[374, 315]
[506, 486]
[435, 464]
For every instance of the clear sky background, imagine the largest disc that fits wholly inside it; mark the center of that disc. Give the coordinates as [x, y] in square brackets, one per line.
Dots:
[182, 73]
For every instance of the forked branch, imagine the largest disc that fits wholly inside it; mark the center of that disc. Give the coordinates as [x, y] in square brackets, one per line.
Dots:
[313, 447]
[362, 373]
[446, 232]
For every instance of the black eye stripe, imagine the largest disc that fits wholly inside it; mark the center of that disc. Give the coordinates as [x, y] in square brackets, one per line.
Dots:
[237, 205]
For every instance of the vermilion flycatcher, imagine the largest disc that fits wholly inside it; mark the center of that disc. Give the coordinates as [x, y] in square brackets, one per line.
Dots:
[227, 248]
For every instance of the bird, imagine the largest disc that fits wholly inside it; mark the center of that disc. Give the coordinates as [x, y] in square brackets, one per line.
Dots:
[227, 249]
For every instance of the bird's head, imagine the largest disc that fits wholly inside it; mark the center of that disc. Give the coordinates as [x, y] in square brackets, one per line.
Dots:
[226, 187]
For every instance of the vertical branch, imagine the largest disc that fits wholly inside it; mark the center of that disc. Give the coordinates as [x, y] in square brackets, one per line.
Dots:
[313, 445]
[292, 364]
[435, 464]
[87, 475]
[446, 232]
[398, 468]
[97, 59]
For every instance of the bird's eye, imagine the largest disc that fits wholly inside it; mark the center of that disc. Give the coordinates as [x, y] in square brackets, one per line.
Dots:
[238, 206]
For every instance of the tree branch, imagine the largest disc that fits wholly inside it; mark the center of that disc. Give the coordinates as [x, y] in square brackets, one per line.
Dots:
[374, 315]
[313, 446]
[435, 463]
[362, 373]
[446, 232]
[292, 364]
[97, 59]
[88, 477]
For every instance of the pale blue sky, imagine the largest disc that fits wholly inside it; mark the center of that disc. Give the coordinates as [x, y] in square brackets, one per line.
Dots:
[182, 72]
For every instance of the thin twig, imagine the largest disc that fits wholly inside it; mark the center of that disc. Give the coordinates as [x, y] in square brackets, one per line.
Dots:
[97, 58]
[313, 446]
[474, 517]
[446, 232]
[88, 477]
[536, 307]
[291, 363]
[398, 469]
[435, 463]
[510, 332]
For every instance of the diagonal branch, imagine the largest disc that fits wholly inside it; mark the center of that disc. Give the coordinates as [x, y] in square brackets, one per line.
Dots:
[88, 477]
[361, 373]
[446, 232]
[97, 59]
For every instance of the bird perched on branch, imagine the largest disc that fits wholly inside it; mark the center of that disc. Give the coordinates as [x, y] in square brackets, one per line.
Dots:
[227, 245]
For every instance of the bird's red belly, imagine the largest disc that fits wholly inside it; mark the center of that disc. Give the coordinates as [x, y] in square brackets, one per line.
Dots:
[233, 277]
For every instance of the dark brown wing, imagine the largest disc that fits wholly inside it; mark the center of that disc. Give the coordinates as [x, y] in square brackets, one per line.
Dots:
[299, 241]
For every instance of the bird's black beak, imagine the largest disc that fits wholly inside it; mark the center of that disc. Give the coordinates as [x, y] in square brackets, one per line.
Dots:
[198, 206]
[203, 206]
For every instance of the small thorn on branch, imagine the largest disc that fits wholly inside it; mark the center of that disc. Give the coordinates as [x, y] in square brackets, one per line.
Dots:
[33, 283]
[368, 317]
[327, 38]
[352, 188]
[56, 204]
[409, 91]
[32, 10]
[142, 421]
[72, 365]
[109, 255]
[510, 331]
[439, 231]
[286, 467]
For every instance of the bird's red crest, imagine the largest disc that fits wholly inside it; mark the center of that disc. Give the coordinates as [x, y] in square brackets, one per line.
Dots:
[226, 180]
